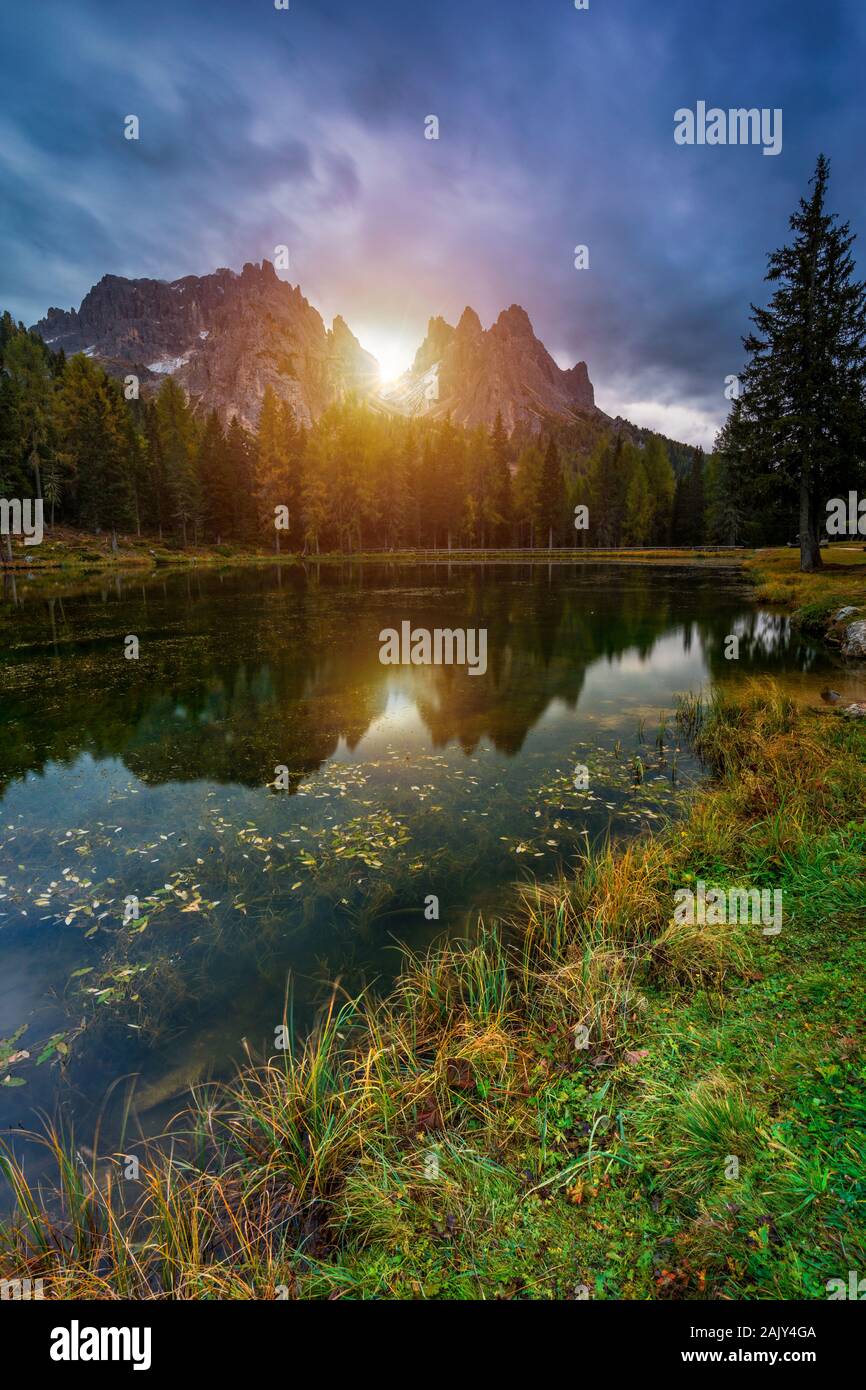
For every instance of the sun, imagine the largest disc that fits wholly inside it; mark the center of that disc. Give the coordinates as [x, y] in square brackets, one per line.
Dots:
[392, 363]
[393, 353]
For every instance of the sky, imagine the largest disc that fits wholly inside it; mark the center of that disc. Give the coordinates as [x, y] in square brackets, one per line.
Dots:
[305, 127]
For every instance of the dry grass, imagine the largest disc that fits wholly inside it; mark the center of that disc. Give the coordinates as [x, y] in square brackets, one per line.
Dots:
[308, 1172]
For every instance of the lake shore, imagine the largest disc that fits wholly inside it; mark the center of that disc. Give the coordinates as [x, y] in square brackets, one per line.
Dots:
[75, 552]
[552, 1110]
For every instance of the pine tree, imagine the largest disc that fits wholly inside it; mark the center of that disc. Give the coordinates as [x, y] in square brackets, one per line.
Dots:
[551, 493]
[177, 444]
[726, 521]
[81, 436]
[689, 503]
[240, 472]
[527, 490]
[25, 360]
[638, 513]
[501, 488]
[292, 443]
[117, 498]
[272, 465]
[804, 381]
[662, 486]
[215, 480]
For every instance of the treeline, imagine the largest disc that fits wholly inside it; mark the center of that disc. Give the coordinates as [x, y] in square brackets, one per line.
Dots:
[358, 479]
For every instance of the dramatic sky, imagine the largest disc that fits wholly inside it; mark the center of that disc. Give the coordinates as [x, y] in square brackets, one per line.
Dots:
[305, 127]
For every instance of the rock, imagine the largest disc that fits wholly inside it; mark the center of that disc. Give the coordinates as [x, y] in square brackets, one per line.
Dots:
[224, 337]
[472, 374]
[843, 614]
[855, 639]
[854, 711]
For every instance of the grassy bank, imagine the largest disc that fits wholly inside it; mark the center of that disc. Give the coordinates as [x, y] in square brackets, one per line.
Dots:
[457, 1140]
[811, 597]
[75, 552]
[78, 552]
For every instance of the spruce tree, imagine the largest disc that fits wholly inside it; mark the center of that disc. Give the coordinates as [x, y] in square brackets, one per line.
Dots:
[662, 485]
[551, 500]
[177, 443]
[804, 382]
[501, 481]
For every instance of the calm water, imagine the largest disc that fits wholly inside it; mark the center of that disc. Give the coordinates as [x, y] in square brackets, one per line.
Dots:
[150, 778]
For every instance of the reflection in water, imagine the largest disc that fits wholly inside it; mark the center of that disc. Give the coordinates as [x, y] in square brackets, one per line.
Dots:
[155, 779]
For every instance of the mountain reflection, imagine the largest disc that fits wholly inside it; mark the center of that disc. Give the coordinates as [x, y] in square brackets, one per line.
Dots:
[244, 670]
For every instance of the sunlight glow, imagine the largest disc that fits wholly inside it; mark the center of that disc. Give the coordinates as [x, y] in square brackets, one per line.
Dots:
[393, 353]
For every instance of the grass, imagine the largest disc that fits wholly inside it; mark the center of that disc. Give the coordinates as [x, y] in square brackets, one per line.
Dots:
[813, 597]
[73, 552]
[588, 1100]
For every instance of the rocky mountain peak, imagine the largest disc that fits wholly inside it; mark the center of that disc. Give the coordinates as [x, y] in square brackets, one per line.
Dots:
[439, 337]
[514, 321]
[470, 324]
[226, 336]
[470, 374]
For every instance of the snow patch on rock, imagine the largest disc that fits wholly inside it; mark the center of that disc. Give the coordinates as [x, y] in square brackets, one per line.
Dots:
[168, 364]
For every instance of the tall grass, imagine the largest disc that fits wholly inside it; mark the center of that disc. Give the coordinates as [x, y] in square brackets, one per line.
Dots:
[313, 1164]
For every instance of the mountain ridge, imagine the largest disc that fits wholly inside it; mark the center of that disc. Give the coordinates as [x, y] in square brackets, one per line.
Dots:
[226, 336]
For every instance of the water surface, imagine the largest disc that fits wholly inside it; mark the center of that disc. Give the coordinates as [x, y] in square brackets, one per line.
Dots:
[154, 779]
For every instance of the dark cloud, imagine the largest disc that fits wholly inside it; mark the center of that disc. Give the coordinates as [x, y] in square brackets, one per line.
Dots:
[556, 128]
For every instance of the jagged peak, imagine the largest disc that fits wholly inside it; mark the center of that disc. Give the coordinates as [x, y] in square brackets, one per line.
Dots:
[470, 323]
[252, 270]
[340, 330]
[515, 321]
[436, 325]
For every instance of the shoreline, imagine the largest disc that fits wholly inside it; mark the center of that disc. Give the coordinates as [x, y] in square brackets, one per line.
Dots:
[451, 1140]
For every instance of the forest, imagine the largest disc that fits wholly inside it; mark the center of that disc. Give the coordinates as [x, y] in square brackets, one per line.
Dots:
[357, 480]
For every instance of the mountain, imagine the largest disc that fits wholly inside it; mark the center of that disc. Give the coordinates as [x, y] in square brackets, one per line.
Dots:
[223, 336]
[470, 374]
[226, 336]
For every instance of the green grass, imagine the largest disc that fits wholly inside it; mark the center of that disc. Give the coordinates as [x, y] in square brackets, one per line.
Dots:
[812, 597]
[589, 1100]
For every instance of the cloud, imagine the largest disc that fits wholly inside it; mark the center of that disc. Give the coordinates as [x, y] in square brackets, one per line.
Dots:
[306, 127]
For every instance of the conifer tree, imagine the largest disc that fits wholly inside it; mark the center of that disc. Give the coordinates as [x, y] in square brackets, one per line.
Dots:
[177, 443]
[662, 486]
[551, 502]
[527, 491]
[803, 403]
[638, 510]
[501, 486]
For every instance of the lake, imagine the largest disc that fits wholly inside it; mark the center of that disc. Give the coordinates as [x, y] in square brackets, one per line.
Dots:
[164, 887]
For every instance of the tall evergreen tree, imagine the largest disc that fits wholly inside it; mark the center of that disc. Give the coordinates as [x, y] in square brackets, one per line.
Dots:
[803, 403]
[662, 486]
[98, 448]
[690, 503]
[503, 503]
[272, 472]
[177, 443]
[638, 511]
[551, 494]
[527, 491]
[215, 480]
